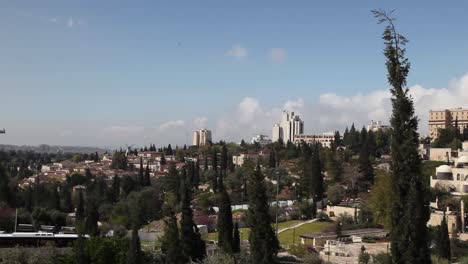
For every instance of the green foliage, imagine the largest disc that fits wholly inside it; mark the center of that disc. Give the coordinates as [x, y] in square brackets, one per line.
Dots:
[44, 255]
[263, 243]
[119, 160]
[364, 258]
[335, 194]
[410, 210]
[443, 240]
[170, 242]
[107, 250]
[219, 258]
[134, 254]
[225, 224]
[380, 201]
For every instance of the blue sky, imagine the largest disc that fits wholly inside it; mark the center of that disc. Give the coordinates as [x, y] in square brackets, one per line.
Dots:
[108, 73]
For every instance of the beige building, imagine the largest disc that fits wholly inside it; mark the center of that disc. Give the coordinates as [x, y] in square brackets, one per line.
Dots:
[439, 119]
[325, 139]
[201, 137]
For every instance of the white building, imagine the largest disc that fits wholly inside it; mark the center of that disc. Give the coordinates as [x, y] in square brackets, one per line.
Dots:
[325, 139]
[263, 140]
[453, 178]
[201, 137]
[289, 126]
[375, 126]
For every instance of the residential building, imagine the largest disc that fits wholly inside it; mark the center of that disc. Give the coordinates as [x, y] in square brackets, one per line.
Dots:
[289, 126]
[324, 139]
[201, 137]
[375, 126]
[453, 177]
[238, 160]
[444, 118]
[263, 140]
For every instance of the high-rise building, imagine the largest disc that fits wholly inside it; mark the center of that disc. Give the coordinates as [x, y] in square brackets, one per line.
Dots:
[444, 118]
[289, 126]
[201, 137]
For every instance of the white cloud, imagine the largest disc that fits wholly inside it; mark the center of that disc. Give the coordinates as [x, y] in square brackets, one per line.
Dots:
[171, 124]
[248, 109]
[200, 122]
[70, 22]
[278, 55]
[238, 52]
[52, 20]
[294, 106]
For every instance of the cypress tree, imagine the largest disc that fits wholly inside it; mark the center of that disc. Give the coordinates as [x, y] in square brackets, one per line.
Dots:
[225, 225]
[80, 255]
[196, 174]
[236, 239]
[115, 189]
[79, 214]
[224, 158]
[443, 241]
[147, 179]
[56, 198]
[272, 160]
[316, 182]
[5, 193]
[263, 243]
[170, 242]
[134, 254]
[92, 217]
[162, 161]
[365, 164]
[190, 241]
[214, 164]
[410, 204]
[140, 173]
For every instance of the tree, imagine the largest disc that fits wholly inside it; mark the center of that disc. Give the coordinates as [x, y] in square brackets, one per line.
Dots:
[190, 240]
[365, 163]
[92, 217]
[316, 182]
[236, 239]
[79, 214]
[224, 158]
[225, 225]
[410, 205]
[5, 193]
[115, 193]
[140, 173]
[162, 161]
[147, 179]
[170, 242]
[214, 164]
[119, 160]
[134, 254]
[264, 244]
[443, 240]
[380, 200]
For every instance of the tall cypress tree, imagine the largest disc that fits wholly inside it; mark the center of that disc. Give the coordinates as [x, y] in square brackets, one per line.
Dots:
[134, 254]
[80, 255]
[443, 240]
[410, 204]
[190, 241]
[236, 239]
[264, 244]
[170, 242]
[365, 164]
[147, 179]
[225, 224]
[92, 217]
[140, 174]
[214, 164]
[115, 193]
[224, 158]
[316, 182]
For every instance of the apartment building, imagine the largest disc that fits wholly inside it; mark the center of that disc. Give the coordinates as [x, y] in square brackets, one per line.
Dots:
[287, 129]
[324, 139]
[439, 119]
[201, 137]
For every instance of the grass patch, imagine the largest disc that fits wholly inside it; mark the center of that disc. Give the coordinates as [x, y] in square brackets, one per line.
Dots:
[286, 238]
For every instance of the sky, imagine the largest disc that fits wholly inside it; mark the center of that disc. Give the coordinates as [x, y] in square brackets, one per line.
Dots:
[110, 73]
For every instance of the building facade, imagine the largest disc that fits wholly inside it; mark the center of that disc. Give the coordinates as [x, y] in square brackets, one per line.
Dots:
[439, 119]
[325, 139]
[375, 126]
[287, 129]
[201, 137]
[263, 140]
[453, 178]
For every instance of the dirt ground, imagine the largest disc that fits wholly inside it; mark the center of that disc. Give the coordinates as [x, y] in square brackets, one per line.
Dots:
[354, 249]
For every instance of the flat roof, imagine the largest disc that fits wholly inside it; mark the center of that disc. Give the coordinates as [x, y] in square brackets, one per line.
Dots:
[365, 231]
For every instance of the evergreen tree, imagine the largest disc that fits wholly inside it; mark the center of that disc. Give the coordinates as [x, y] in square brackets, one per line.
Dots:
[264, 244]
[80, 255]
[346, 137]
[79, 214]
[115, 189]
[163, 160]
[141, 173]
[169, 150]
[236, 239]
[337, 139]
[188, 237]
[5, 193]
[172, 181]
[196, 174]
[88, 175]
[147, 179]
[224, 158]
[92, 217]
[56, 198]
[214, 164]
[134, 254]
[365, 164]
[410, 204]
[272, 160]
[443, 240]
[170, 242]
[316, 181]
[225, 225]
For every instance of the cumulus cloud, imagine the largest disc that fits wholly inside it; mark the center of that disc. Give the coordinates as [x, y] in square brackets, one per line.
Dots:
[171, 124]
[238, 52]
[278, 55]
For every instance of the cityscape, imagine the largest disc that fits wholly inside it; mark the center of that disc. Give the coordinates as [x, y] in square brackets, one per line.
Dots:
[157, 132]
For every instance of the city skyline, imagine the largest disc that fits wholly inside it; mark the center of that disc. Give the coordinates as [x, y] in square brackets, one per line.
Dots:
[90, 74]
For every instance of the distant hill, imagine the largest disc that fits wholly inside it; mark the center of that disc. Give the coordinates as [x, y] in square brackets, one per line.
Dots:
[53, 149]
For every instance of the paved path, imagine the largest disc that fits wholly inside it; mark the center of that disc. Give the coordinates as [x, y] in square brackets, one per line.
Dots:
[296, 225]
